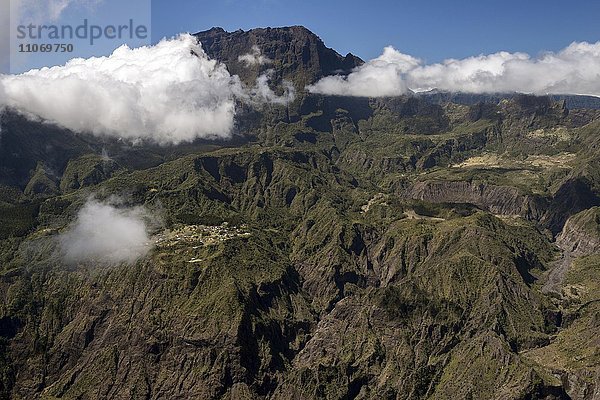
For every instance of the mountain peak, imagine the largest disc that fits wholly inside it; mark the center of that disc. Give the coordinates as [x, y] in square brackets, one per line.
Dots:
[294, 53]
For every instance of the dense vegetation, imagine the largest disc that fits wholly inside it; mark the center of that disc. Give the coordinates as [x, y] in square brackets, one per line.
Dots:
[392, 249]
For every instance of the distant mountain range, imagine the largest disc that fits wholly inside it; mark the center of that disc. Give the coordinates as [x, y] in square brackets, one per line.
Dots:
[572, 101]
[301, 57]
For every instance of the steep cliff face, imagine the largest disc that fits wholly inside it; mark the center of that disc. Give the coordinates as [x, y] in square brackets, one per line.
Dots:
[440, 97]
[573, 196]
[495, 199]
[294, 53]
[551, 212]
[581, 233]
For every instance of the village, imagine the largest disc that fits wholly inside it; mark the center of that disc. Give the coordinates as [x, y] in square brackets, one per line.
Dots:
[196, 236]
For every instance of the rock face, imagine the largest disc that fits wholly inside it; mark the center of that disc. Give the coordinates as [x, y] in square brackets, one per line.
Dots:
[573, 196]
[495, 199]
[295, 54]
[552, 213]
[572, 102]
[364, 249]
[581, 233]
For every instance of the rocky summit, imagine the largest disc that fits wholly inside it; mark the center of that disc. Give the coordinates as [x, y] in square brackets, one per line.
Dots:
[433, 246]
[295, 53]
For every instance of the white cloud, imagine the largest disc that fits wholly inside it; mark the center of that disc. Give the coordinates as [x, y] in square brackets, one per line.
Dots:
[103, 233]
[573, 70]
[380, 77]
[169, 93]
[107, 234]
[262, 93]
[255, 57]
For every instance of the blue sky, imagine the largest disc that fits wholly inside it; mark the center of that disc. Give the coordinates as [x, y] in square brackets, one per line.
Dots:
[432, 29]
[45, 13]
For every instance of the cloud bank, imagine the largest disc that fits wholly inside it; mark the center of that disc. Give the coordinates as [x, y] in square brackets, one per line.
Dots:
[573, 70]
[255, 57]
[169, 93]
[106, 234]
